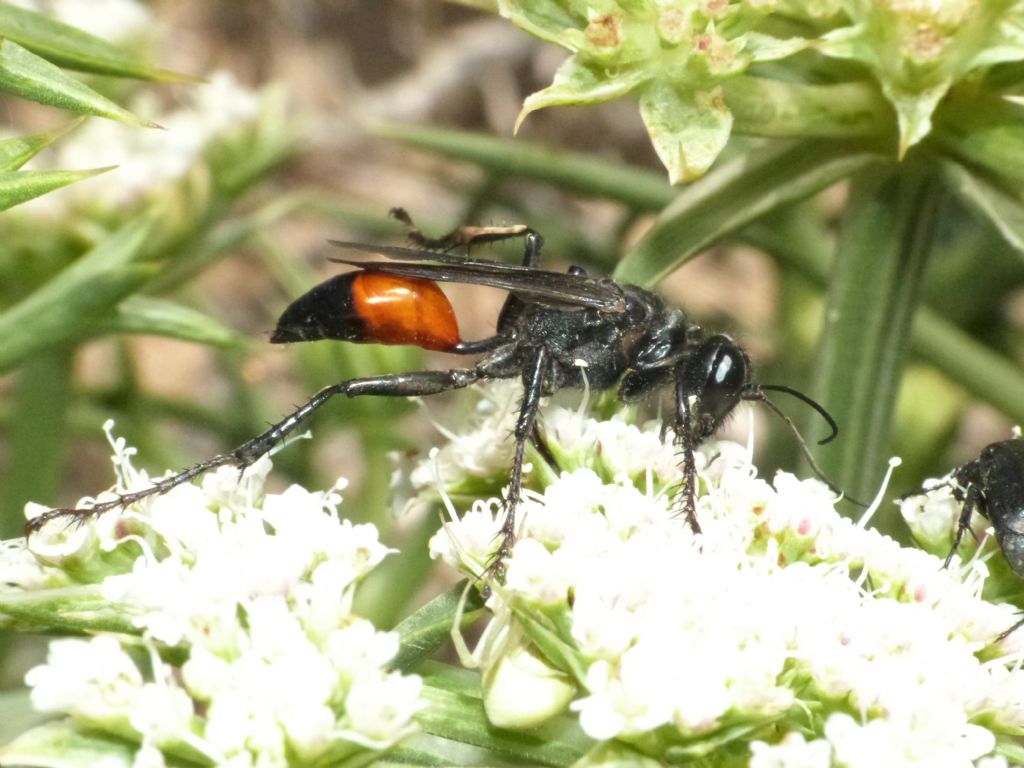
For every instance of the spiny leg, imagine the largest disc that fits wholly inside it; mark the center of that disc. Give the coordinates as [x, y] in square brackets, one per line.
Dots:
[1010, 631]
[539, 442]
[411, 384]
[686, 440]
[971, 500]
[465, 235]
[533, 387]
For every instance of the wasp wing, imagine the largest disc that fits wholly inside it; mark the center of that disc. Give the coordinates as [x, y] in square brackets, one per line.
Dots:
[537, 285]
[399, 253]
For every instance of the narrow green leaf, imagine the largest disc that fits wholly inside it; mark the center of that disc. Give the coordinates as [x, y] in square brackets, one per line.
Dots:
[422, 749]
[987, 375]
[961, 358]
[63, 744]
[426, 630]
[641, 189]
[18, 186]
[1003, 209]
[984, 129]
[883, 248]
[734, 195]
[36, 438]
[158, 317]
[76, 610]
[66, 306]
[15, 152]
[69, 47]
[32, 77]
[461, 717]
[1011, 750]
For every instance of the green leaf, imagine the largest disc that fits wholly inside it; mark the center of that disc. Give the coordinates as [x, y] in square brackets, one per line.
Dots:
[37, 437]
[961, 358]
[459, 716]
[426, 630]
[763, 106]
[578, 81]
[63, 744]
[547, 19]
[874, 292]
[688, 127]
[32, 77]
[64, 308]
[69, 47]
[422, 749]
[75, 610]
[548, 640]
[986, 131]
[915, 110]
[637, 188]
[158, 317]
[18, 186]
[1003, 209]
[15, 152]
[733, 196]
[1010, 749]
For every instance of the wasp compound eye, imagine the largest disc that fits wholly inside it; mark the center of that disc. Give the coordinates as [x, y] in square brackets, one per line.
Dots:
[717, 375]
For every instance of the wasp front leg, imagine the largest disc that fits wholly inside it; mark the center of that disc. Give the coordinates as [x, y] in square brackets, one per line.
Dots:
[533, 387]
[971, 500]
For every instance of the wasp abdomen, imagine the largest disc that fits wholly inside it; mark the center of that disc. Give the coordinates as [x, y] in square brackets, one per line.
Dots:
[371, 307]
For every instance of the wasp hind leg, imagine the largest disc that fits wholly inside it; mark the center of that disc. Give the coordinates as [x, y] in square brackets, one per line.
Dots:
[465, 235]
[411, 384]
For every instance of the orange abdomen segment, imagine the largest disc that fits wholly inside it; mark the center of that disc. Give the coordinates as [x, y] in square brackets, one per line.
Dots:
[405, 310]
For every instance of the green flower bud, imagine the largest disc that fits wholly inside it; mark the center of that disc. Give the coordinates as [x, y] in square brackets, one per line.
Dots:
[522, 690]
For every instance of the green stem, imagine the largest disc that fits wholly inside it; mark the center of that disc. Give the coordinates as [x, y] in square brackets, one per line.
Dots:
[882, 252]
[965, 361]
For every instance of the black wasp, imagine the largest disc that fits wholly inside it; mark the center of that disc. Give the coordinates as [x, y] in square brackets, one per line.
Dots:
[993, 484]
[553, 330]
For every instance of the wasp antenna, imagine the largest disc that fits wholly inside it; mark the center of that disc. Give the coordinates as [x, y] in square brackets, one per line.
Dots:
[759, 395]
[805, 398]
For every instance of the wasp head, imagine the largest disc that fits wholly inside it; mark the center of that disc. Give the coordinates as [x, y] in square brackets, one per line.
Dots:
[710, 383]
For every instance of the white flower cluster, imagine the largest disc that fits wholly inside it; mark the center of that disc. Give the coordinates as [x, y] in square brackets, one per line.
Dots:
[813, 639]
[147, 157]
[253, 592]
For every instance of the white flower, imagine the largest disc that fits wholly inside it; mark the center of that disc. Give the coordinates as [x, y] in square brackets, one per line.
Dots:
[145, 158]
[360, 646]
[781, 603]
[256, 591]
[931, 737]
[149, 757]
[381, 708]
[161, 712]
[91, 679]
[793, 751]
